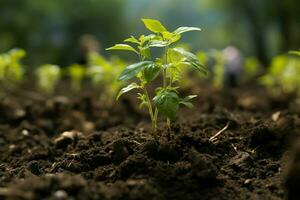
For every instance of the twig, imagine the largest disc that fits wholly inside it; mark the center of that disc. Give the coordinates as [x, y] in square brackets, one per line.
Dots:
[213, 138]
[234, 148]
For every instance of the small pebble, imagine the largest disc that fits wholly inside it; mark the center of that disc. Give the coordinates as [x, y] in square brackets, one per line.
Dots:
[25, 132]
[60, 195]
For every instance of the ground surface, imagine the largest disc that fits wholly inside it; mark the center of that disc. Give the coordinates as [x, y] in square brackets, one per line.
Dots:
[109, 153]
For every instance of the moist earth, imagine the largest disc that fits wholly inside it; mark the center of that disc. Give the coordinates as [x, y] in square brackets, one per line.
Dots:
[66, 148]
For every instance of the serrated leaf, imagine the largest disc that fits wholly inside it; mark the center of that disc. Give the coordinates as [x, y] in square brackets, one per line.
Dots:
[167, 102]
[122, 47]
[132, 70]
[181, 30]
[151, 72]
[154, 25]
[127, 89]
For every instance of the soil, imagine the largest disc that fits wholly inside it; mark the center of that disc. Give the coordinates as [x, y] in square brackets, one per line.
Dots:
[67, 148]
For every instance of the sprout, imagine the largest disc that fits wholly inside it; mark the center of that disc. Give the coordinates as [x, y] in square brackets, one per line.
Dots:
[76, 73]
[166, 99]
[48, 76]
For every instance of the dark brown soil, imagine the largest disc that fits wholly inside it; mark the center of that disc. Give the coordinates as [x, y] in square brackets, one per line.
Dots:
[109, 153]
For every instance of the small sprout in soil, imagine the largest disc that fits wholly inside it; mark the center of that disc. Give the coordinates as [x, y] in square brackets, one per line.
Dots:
[166, 99]
[218, 74]
[47, 77]
[11, 68]
[283, 75]
[76, 73]
[103, 74]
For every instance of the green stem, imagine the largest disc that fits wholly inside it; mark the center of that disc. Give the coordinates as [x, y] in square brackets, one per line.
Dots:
[165, 70]
[154, 115]
[165, 86]
[168, 129]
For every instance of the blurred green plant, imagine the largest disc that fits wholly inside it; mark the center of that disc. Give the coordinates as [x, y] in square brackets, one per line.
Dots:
[283, 75]
[104, 73]
[76, 73]
[48, 76]
[166, 99]
[11, 69]
[218, 69]
[295, 52]
[252, 69]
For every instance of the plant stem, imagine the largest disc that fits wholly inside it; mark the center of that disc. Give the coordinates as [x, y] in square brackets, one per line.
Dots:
[168, 128]
[165, 87]
[154, 115]
[165, 70]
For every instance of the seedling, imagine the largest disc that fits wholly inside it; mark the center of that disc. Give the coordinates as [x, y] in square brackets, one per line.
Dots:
[166, 99]
[218, 74]
[104, 73]
[11, 68]
[283, 74]
[252, 68]
[76, 73]
[48, 76]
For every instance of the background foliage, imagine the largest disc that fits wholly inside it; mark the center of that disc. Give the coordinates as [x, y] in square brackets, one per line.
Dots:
[49, 30]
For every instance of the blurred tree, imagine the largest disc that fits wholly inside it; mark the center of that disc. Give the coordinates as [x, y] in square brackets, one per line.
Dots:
[260, 17]
[50, 29]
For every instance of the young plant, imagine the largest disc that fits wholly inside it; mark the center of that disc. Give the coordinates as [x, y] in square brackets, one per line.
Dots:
[166, 99]
[76, 73]
[283, 75]
[11, 68]
[47, 77]
[219, 71]
[104, 73]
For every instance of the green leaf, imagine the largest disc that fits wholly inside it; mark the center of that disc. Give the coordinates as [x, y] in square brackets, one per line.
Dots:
[187, 104]
[191, 59]
[123, 47]
[187, 98]
[174, 56]
[144, 39]
[144, 102]
[127, 89]
[174, 39]
[154, 25]
[181, 30]
[151, 72]
[157, 43]
[295, 52]
[167, 102]
[145, 51]
[186, 101]
[131, 71]
[171, 37]
[132, 40]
